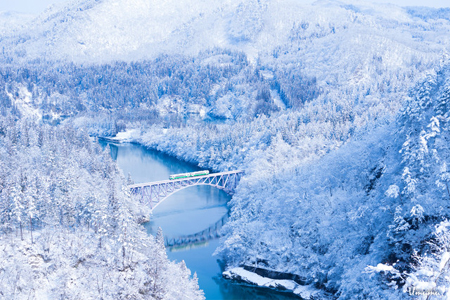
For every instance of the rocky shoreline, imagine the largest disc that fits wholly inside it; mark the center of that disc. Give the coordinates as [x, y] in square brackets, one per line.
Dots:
[294, 285]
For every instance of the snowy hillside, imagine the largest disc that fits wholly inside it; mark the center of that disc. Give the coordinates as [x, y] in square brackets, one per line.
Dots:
[351, 52]
[10, 21]
[88, 30]
[348, 53]
[79, 236]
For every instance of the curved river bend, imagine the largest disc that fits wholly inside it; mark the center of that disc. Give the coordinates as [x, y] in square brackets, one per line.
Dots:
[187, 212]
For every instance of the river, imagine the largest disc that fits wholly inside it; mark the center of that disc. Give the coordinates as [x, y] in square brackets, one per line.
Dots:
[187, 212]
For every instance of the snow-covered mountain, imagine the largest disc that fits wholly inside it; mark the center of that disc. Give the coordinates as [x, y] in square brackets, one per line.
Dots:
[102, 30]
[368, 51]
[10, 21]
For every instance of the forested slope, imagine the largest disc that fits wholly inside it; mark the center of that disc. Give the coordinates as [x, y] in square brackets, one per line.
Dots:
[69, 227]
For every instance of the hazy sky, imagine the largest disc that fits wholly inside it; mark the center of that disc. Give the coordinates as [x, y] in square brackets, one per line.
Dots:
[27, 6]
[38, 6]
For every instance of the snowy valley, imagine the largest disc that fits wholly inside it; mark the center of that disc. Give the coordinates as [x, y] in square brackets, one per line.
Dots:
[338, 111]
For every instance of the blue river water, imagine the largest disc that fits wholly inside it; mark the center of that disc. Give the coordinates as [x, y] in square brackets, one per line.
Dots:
[187, 212]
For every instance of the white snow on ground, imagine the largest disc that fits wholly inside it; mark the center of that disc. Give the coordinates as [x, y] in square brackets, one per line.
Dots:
[381, 268]
[240, 274]
[24, 103]
[126, 136]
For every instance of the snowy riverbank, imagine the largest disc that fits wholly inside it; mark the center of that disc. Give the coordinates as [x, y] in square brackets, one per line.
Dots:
[245, 276]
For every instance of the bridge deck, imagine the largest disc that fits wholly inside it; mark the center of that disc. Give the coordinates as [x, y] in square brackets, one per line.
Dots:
[138, 185]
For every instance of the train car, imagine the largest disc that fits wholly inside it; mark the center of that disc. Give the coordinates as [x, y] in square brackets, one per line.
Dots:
[179, 176]
[200, 173]
[186, 175]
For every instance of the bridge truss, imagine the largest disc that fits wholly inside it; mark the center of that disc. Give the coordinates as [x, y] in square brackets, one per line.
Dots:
[154, 193]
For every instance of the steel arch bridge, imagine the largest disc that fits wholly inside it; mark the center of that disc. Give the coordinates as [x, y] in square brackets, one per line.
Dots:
[154, 193]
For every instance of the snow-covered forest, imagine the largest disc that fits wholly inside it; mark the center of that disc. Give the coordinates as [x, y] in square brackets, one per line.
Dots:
[338, 113]
[69, 227]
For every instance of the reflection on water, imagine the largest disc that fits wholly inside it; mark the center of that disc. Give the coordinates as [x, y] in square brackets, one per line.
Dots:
[209, 271]
[198, 238]
[187, 212]
[146, 165]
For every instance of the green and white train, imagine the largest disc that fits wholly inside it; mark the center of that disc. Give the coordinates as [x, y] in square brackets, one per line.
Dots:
[186, 175]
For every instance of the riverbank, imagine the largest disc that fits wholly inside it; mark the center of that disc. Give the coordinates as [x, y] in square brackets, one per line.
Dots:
[244, 275]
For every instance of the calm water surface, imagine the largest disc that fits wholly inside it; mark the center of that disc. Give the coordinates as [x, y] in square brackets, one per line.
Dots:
[187, 212]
